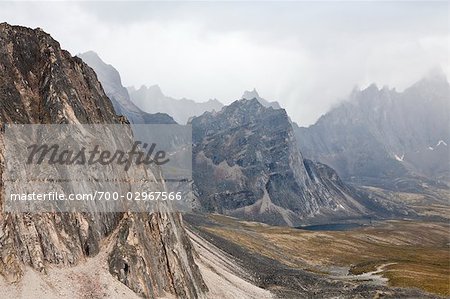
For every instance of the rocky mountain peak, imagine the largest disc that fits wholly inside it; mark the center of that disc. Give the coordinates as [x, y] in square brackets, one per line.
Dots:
[241, 113]
[249, 95]
[155, 91]
[106, 74]
[247, 164]
[253, 94]
[250, 105]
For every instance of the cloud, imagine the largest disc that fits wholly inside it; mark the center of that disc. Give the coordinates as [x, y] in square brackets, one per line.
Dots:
[306, 55]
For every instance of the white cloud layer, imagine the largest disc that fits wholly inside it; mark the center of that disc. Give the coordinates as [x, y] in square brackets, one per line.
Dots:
[305, 55]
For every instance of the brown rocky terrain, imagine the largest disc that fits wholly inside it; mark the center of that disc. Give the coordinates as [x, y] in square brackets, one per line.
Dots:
[386, 259]
[150, 253]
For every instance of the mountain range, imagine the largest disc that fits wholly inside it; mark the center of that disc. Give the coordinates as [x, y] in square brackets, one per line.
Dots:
[152, 100]
[276, 184]
[386, 138]
[112, 84]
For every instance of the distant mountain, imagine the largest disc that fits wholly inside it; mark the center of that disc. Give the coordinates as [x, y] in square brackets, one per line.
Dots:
[246, 164]
[152, 100]
[381, 136]
[112, 84]
[249, 95]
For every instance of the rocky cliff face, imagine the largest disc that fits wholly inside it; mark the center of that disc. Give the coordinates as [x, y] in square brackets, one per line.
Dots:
[380, 135]
[42, 84]
[247, 164]
[111, 82]
[152, 100]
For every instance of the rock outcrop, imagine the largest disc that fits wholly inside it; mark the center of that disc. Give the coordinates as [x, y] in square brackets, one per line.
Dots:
[151, 253]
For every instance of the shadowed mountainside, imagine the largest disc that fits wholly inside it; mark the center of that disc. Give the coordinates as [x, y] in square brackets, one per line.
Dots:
[385, 138]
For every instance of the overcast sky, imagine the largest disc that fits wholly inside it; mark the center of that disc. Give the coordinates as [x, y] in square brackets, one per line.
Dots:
[308, 56]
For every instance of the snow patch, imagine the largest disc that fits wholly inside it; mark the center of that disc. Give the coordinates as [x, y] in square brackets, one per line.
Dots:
[441, 142]
[399, 158]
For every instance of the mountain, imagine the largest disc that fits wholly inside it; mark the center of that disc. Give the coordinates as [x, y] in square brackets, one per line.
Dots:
[149, 253]
[249, 95]
[384, 137]
[152, 100]
[246, 163]
[112, 84]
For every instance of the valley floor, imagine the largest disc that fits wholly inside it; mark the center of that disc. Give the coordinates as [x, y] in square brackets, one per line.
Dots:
[390, 258]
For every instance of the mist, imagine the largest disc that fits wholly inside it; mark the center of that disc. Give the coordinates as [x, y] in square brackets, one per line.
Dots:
[307, 56]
